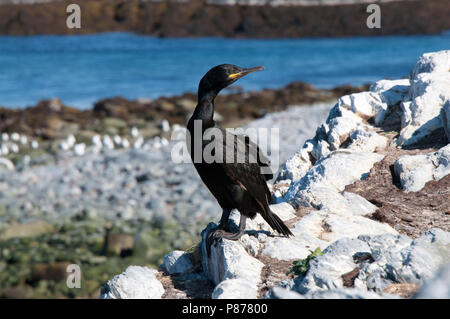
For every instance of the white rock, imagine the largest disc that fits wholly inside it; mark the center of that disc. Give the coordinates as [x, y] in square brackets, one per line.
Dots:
[398, 259]
[415, 171]
[363, 141]
[429, 92]
[344, 293]
[437, 287]
[229, 260]
[340, 129]
[331, 174]
[445, 119]
[358, 205]
[293, 248]
[442, 159]
[177, 262]
[435, 62]
[34, 145]
[319, 229]
[365, 104]
[5, 136]
[391, 91]
[234, 288]
[321, 149]
[134, 283]
[330, 226]
[251, 244]
[338, 226]
[283, 210]
[326, 271]
[297, 166]
[284, 293]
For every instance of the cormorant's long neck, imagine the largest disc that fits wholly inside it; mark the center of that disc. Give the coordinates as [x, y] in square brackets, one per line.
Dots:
[205, 109]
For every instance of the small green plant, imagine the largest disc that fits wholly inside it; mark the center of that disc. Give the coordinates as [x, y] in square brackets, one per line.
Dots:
[300, 267]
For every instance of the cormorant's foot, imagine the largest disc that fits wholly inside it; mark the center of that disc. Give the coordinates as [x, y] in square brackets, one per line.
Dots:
[217, 234]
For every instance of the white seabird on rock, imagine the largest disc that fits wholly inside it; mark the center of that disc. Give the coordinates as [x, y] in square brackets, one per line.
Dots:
[117, 140]
[15, 136]
[138, 143]
[107, 142]
[23, 140]
[14, 148]
[71, 140]
[134, 132]
[64, 146]
[125, 143]
[165, 126]
[5, 149]
[79, 149]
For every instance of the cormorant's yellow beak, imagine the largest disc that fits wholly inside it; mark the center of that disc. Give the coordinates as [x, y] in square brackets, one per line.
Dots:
[245, 72]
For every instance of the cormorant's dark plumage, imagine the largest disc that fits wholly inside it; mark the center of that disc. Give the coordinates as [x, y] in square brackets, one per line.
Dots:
[234, 184]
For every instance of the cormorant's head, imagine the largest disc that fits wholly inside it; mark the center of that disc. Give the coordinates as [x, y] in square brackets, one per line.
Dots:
[221, 76]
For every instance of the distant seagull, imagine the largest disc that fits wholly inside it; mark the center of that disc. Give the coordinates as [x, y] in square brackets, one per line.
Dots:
[15, 136]
[134, 132]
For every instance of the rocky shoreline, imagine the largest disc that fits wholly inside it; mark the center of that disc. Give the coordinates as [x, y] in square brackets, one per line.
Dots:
[348, 240]
[368, 190]
[50, 126]
[198, 18]
[108, 201]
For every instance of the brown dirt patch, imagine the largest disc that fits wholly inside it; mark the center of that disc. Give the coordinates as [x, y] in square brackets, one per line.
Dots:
[404, 290]
[409, 213]
[349, 278]
[178, 287]
[272, 273]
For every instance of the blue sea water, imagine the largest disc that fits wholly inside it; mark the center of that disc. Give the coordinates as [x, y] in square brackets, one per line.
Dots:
[83, 69]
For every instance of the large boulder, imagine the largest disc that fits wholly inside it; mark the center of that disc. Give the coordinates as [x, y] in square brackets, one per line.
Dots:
[379, 261]
[134, 283]
[445, 119]
[329, 176]
[433, 62]
[230, 261]
[429, 92]
[414, 171]
[437, 287]
[177, 262]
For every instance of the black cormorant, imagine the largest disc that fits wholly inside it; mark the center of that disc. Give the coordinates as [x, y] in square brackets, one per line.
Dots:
[235, 184]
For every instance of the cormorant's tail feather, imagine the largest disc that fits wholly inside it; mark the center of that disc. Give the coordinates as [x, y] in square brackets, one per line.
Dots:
[277, 224]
